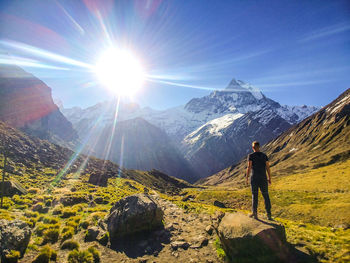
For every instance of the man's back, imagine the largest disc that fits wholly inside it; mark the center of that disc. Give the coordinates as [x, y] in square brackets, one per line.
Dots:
[259, 160]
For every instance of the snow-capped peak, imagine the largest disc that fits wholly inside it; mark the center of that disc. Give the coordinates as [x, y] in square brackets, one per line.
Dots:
[240, 86]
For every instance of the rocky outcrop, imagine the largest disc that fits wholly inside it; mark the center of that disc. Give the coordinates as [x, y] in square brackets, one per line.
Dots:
[245, 238]
[26, 103]
[14, 235]
[98, 179]
[133, 214]
[12, 188]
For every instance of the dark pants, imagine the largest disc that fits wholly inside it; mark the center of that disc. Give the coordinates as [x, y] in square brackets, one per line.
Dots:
[263, 185]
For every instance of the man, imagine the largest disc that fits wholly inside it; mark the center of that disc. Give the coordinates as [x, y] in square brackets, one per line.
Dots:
[259, 163]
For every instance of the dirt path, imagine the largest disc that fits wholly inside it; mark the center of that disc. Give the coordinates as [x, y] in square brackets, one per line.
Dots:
[184, 239]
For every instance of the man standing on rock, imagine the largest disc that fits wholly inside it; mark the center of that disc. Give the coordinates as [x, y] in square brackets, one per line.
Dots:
[259, 163]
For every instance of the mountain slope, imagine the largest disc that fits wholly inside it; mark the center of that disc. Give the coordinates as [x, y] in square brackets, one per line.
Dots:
[137, 144]
[249, 116]
[320, 140]
[210, 132]
[30, 155]
[26, 103]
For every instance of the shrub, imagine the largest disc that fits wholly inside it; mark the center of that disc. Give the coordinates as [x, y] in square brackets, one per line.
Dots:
[75, 219]
[46, 254]
[42, 227]
[51, 235]
[68, 233]
[33, 190]
[70, 244]
[57, 210]
[84, 224]
[72, 224]
[95, 254]
[50, 220]
[80, 257]
[31, 214]
[12, 257]
[68, 212]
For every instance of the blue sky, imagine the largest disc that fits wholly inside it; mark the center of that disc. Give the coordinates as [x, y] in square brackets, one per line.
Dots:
[295, 52]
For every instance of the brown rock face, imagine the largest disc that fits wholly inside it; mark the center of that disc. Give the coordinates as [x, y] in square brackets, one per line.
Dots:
[26, 103]
[245, 238]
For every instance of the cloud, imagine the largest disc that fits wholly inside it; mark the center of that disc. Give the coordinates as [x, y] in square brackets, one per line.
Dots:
[325, 32]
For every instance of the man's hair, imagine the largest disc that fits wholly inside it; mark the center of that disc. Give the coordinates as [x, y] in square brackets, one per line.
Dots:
[256, 145]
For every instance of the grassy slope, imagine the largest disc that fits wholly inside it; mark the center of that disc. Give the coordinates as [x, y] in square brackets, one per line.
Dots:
[314, 206]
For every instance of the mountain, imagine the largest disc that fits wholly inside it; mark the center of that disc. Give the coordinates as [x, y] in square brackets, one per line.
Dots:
[208, 131]
[320, 140]
[26, 103]
[137, 144]
[248, 115]
[36, 157]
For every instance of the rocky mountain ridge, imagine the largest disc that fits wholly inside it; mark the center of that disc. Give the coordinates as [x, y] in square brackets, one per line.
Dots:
[319, 140]
[26, 103]
[205, 129]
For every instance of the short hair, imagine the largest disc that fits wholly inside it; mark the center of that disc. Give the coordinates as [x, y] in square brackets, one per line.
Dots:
[256, 145]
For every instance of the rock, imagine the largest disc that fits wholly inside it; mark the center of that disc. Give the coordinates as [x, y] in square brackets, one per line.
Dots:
[219, 204]
[188, 197]
[74, 199]
[12, 188]
[91, 234]
[216, 219]
[132, 214]
[199, 242]
[40, 208]
[14, 235]
[245, 238]
[98, 179]
[179, 244]
[209, 229]
[95, 233]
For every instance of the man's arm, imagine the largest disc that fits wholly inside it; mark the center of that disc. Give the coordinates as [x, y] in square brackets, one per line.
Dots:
[249, 168]
[268, 172]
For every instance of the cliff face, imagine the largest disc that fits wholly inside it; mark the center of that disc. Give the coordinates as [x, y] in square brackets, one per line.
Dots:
[26, 103]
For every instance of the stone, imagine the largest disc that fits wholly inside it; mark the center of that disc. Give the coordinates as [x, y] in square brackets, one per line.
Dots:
[187, 198]
[12, 188]
[98, 179]
[74, 199]
[245, 238]
[95, 233]
[14, 235]
[91, 234]
[40, 208]
[219, 204]
[199, 241]
[179, 244]
[134, 214]
[209, 229]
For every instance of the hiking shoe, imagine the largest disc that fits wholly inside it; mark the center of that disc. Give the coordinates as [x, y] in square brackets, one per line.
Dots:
[253, 215]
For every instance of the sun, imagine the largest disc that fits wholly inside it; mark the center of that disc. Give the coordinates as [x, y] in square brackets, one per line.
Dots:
[120, 71]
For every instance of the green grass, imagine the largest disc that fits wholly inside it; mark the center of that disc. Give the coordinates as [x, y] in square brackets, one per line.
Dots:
[314, 207]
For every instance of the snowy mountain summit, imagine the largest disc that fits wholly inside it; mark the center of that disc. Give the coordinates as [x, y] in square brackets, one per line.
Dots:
[225, 122]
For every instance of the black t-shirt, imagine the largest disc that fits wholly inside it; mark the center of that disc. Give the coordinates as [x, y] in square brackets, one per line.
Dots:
[259, 160]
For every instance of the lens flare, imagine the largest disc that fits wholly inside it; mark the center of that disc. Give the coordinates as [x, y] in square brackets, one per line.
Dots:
[120, 71]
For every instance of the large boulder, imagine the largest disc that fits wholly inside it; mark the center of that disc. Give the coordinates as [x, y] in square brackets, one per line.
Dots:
[99, 179]
[133, 214]
[14, 235]
[249, 240]
[12, 188]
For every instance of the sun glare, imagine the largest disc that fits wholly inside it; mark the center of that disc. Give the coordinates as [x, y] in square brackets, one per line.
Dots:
[120, 71]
